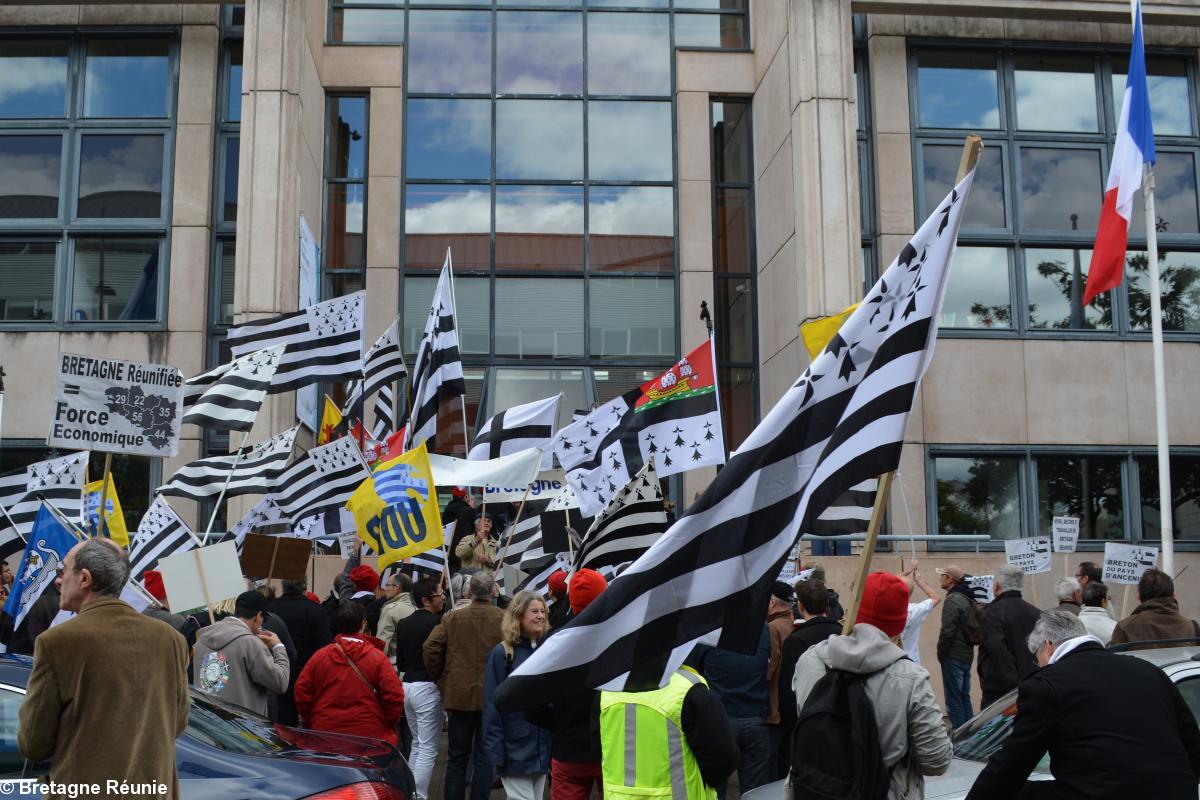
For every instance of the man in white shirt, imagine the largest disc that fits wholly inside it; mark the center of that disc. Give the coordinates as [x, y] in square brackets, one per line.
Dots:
[910, 637]
[1094, 613]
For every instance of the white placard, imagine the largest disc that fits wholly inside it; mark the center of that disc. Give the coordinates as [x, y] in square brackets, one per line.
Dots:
[549, 485]
[222, 573]
[308, 398]
[1066, 533]
[788, 573]
[1125, 563]
[1031, 555]
[347, 542]
[515, 469]
[116, 406]
[981, 587]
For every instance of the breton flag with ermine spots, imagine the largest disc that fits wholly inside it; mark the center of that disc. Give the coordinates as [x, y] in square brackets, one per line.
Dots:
[256, 472]
[322, 342]
[633, 521]
[160, 533]
[839, 424]
[437, 379]
[325, 476]
[676, 418]
[58, 480]
[228, 397]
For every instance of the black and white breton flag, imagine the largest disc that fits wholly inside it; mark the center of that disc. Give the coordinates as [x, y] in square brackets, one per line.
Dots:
[228, 397]
[265, 514]
[325, 524]
[525, 536]
[632, 522]
[839, 424]
[326, 476]
[384, 423]
[257, 470]
[518, 428]
[384, 363]
[850, 513]
[539, 571]
[438, 384]
[430, 562]
[322, 342]
[160, 534]
[59, 480]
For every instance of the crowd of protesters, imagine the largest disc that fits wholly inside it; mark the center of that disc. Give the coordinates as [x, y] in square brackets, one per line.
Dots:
[392, 659]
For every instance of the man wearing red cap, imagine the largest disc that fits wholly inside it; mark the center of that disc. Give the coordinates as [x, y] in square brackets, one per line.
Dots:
[560, 606]
[912, 739]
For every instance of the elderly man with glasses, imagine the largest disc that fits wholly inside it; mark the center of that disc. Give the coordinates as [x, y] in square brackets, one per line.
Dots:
[422, 700]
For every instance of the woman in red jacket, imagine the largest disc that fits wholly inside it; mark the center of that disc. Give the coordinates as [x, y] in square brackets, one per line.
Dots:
[350, 686]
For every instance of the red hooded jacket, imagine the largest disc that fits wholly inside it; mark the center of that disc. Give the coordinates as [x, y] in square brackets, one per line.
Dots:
[331, 697]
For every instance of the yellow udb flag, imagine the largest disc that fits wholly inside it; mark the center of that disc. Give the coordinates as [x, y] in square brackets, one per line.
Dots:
[114, 518]
[396, 509]
[819, 331]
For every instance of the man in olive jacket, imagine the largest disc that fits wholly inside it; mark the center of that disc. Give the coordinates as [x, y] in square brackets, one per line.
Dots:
[455, 655]
[108, 693]
[955, 648]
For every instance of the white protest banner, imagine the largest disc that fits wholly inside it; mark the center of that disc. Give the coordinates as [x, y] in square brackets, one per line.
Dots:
[198, 577]
[548, 485]
[1125, 563]
[515, 469]
[981, 587]
[347, 542]
[1066, 533]
[788, 573]
[308, 398]
[1031, 555]
[116, 406]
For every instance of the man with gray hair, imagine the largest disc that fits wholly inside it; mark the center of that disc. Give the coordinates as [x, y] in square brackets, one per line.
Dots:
[1004, 660]
[108, 693]
[1102, 742]
[455, 655]
[1069, 595]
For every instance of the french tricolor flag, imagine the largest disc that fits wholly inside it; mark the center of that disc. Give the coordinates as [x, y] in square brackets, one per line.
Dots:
[1133, 150]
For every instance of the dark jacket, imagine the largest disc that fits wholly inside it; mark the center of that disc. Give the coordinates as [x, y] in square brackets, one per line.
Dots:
[457, 650]
[37, 621]
[740, 681]
[411, 633]
[1068, 606]
[307, 624]
[1004, 657]
[806, 634]
[513, 745]
[953, 642]
[1140, 741]
[706, 730]
[573, 722]
[560, 613]
[1155, 619]
[460, 512]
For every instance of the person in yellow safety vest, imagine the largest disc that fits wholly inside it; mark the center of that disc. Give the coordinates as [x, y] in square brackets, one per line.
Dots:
[672, 742]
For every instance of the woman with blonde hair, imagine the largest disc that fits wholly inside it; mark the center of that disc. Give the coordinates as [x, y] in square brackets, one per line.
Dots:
[519, 751]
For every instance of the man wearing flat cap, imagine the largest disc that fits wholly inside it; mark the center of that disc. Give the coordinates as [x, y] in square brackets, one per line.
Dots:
[956, 644]
[479, 551]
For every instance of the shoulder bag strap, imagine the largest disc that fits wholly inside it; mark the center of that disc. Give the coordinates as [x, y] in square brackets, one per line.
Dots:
[357, 671]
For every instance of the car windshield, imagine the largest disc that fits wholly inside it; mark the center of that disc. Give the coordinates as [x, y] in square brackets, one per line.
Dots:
[984, 735]
[234, 729]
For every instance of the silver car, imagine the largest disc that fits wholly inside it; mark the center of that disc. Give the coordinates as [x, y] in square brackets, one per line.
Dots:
[975, 741]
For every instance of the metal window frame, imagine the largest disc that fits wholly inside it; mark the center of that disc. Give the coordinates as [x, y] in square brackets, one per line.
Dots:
[324, 268]
[72, 127]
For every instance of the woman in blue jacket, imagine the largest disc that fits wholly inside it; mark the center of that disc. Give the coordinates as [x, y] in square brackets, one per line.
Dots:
[518, 750]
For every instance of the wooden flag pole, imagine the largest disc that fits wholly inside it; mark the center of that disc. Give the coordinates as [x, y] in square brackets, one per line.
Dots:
[83, 495]
[204, 586]
[101, 516]
[271, 568]
[511, 528]
[13, 525]
[864, 558]
[1125, 602]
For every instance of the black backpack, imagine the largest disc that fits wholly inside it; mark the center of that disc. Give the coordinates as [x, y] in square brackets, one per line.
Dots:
[835, 744]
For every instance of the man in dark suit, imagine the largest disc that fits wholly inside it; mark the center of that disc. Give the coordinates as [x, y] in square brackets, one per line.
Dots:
[1114, 725]
[1004, 661]
[308, 625]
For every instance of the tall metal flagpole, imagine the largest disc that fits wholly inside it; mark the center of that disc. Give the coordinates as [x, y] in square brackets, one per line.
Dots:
[1166, 522]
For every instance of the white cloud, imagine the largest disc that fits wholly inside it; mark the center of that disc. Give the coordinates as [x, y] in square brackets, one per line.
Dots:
[644, 211]
[1056, 101]
[469, 212]
[22, 75]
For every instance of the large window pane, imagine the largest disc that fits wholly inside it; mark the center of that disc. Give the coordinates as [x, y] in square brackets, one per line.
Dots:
[726, 31]
[540, 139]
[1085, 487]
[1179, 280]
[449, 51]
[33, 78]
[957, 89]
[27, 281]
[449, 139]
[539, 227]
[630, 141]
[632, 317]
[223, 313]
[1174, 196]
[978, 295]
[978, 495]
[345, 242]
[340, 283]
[437, 217]
[732, 226]
[30, 166]
[368, 25]
[232, 161]
[1185, 497]
[735, 320]
[120, 176]
[1055, 281]
[731, 142]
[1061, 189]
[1055, 92]
[1170, 103]
[347, 131]
[115, 279]
[629, 54]
[540, 318]
[514, 386]
[939, 164]
[233, 91]
[539, 53]
[737, 404]
[126, 78]
[472, 299]
[631, 228]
